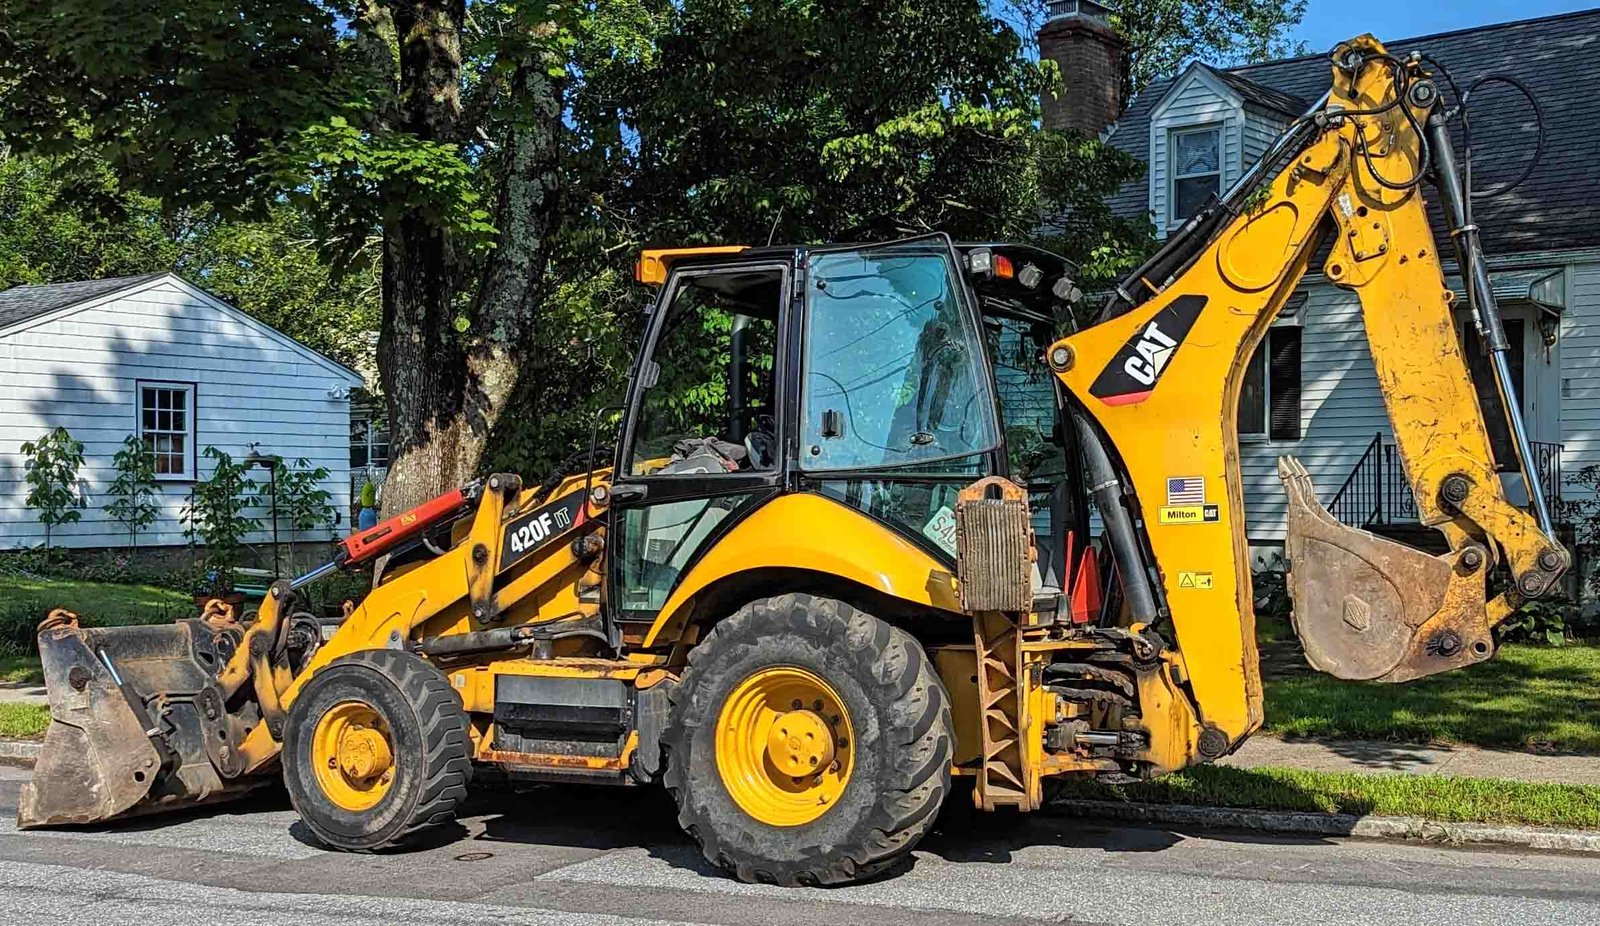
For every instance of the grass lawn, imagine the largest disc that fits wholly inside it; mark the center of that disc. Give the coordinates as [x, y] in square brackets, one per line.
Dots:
[23, 721]
[100, 603]
[1526, 697]
[1428, 796]
[24, 602]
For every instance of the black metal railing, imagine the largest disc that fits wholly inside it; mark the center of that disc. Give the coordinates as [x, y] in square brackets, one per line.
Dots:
[1359, 502]
[1377, 491]
[1547, 463]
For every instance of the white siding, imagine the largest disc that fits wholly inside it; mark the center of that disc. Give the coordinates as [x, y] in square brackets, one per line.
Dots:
[1198, 101]
[1340, 411]
[1341, 408]
[1580, 370]
[79, 371]
[1260, 129]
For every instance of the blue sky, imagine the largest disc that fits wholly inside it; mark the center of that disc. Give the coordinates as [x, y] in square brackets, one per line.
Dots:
[1329, 21]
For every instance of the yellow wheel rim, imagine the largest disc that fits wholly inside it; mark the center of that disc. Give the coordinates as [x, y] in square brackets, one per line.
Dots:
[785, 747]
[353, 757]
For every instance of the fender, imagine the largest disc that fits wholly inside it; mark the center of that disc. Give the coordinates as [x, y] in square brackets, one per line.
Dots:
[802, 531]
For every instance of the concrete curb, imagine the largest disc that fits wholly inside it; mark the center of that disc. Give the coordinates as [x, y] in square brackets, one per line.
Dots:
[19, 752]
[1328, 824]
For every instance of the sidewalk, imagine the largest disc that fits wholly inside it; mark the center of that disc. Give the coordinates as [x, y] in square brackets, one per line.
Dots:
[23, 693]
[1365, 757]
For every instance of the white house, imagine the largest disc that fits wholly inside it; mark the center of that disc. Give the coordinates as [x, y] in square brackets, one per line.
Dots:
[1311, 390]
[159, 357]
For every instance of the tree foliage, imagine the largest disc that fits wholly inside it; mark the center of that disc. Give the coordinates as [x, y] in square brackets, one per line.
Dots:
[51, 473]
[217, 515]
[1165, 35]
[494, 165]
[134, 489]
[271, 268]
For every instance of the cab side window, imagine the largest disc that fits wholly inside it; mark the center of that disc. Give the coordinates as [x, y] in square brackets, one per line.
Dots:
[710, 402]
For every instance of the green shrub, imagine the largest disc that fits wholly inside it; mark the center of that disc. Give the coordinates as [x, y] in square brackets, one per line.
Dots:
[216, 517]
[52, 478]
[134, 491]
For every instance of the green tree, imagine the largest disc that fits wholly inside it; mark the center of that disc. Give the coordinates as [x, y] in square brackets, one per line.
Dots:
[52, 477]
[302, 501]
[712, 121]
[419, 136]
[133, 491]
[272, 268]
[217, 515]
[1164, 35]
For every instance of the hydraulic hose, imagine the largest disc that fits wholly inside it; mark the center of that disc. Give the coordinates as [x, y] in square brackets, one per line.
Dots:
[1106, 490]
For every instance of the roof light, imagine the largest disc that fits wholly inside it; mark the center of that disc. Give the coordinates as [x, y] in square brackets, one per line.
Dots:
[1003, 268]
[1030, 276]
[980, 261]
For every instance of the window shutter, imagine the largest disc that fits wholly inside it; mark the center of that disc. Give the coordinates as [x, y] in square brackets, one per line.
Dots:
[1283, 372]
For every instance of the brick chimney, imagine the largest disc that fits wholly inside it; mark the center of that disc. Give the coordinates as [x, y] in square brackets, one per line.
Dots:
[1078, 37]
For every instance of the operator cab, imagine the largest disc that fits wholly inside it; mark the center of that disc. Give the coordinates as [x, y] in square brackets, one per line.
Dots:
[884, 376]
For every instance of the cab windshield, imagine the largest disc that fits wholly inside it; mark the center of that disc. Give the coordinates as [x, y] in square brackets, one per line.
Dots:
[895, 372]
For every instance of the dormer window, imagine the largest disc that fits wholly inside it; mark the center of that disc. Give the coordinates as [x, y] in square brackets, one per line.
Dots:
[1196, 170]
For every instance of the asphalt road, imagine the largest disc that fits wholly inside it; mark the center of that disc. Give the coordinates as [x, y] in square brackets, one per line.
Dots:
[595, 857]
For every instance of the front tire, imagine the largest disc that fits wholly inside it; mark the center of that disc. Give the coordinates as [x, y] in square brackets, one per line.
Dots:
[375, 751]
[809, 743]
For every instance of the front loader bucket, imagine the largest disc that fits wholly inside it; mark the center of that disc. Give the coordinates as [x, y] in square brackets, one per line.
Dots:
[137, 723]
[1366, 607]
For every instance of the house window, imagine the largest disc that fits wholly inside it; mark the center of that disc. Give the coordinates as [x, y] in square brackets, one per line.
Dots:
[166, 424]
[1196, 171]
[1269, 399]
[369, 443]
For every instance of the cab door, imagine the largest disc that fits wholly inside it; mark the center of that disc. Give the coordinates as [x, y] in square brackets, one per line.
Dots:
[704, 427]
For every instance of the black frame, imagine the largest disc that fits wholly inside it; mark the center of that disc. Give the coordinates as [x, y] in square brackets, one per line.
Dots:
[765, 484]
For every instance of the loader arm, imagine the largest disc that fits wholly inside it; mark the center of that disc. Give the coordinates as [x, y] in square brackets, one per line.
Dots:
[1160, 374]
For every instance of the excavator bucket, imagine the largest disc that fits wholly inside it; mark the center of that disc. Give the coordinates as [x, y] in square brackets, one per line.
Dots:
[1366, 607]
[137, 722]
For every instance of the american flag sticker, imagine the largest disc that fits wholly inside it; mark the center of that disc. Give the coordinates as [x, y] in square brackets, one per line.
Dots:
[1186, 490]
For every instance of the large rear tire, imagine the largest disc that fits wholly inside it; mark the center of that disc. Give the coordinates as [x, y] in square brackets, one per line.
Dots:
[809, 743]
[375, 751]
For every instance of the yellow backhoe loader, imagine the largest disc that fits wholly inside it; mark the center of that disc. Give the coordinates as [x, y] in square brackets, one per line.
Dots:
[840, 565]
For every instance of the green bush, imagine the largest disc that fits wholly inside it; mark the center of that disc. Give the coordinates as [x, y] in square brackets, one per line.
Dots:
[1547, 621]
[52, 478]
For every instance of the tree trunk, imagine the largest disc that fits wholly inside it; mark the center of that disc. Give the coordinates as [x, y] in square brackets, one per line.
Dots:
[420, 363]
[447, 388]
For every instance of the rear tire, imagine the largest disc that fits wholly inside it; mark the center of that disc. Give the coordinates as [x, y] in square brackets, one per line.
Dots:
[425, 732]
[896, 766]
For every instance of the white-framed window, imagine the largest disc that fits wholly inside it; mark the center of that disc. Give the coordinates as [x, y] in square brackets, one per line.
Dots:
[166, 425]
[369, 442]
[1195, 170]
[1269, 397]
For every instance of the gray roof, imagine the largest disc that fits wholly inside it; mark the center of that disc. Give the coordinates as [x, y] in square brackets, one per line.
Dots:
[20, 303]
[1261, 95]
[1558, 57]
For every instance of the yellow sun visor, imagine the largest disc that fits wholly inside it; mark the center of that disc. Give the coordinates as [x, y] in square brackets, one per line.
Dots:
[653, 264]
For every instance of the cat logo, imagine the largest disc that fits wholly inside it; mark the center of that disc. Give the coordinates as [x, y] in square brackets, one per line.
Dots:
[1154, 350]
[1134, 371]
